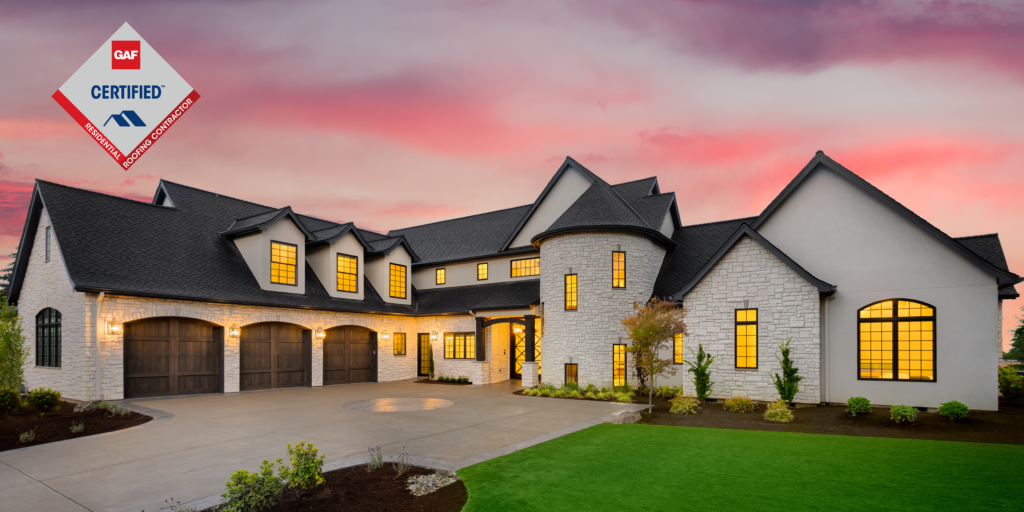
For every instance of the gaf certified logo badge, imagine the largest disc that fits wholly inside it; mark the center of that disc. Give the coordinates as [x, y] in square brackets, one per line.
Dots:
[133, 103]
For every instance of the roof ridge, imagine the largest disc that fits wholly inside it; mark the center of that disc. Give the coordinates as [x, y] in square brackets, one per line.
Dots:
[634, 181]
[233, 198]
[103, 194]
[456, 218]
[276, 210]
[332, 227]
[975, 236]
[718, 222]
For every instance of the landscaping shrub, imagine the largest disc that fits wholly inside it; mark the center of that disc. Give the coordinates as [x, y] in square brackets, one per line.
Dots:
[176, 506]
[77, 428]
[376, 460]
[9, 400]
[27, 437]
[44, 400]
[739, 404]
[701, 370]
[530, 391]
[903, 414]
[1011, 385]
[402, 464]
[954, 410]
[252, 491]
[858, 405]
[668, 392]
[306, 469]
[625, 397]
[430, 356]
[788, 383]
[778, 411]
[547, 390]
[113, 409]
[463, 380]
[575, 393]
[684, 405]
[13, 350]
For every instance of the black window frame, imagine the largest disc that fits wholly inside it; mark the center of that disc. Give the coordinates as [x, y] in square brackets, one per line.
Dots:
[575, 373]
[736, 341]
[625, 365]
[896, 319]
[443, 274]
[487, 271]
[296, 265]
[48, 338]
[512, 266]
[405, 281]
[468, 341]
[48, 243]
[575, 292]
[394, 343]
[338, 271]
[623, 287]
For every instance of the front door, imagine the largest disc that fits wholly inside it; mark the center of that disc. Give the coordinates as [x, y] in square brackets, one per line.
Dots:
[423, 355]
[517, 351]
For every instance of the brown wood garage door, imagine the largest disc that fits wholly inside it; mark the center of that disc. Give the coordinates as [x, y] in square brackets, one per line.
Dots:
[274, 356]
[172, 356]
[350, 355]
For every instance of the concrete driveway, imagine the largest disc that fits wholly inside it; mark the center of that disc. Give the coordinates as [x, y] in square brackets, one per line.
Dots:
[196, 442]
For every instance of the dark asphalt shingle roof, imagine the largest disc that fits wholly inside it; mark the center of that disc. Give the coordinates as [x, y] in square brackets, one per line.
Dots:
[515, 294]
[463, 238]
[990, 249]
[599, 205]
[696, 246]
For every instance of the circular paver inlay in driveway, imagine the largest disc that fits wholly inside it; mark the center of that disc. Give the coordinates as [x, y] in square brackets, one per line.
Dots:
[399, 404]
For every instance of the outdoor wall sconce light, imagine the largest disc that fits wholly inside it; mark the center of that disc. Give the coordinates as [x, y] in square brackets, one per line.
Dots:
[433, 335]
[319, 334]
[234, 331]
[518, 330]
[383, 335]
[115, 328]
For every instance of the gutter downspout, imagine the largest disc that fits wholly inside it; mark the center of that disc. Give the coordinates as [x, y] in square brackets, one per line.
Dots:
[99, 356]
[828, 370]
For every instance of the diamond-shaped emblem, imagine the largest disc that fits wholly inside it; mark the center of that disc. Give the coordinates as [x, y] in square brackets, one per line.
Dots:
[126, 96]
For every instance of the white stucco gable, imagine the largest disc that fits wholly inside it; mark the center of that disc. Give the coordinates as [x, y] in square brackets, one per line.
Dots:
[566, 186]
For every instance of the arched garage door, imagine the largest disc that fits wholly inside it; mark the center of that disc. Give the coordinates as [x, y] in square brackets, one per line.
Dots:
[350, 355]
[274, 355]
[172, 356]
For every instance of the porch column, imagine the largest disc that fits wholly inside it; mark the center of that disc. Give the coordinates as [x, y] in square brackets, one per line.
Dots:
[481, 348]
[530, 342]
[529, 371]
[481, 369]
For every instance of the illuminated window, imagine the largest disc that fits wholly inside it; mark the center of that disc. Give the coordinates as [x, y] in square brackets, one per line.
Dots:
[47, 243]
[399, 343]
[397, 281]
[481, 271]
[527, 267]
[619, 365]
[282, 263]
[677, 348]
[439, 276]
[348, 267]
[48, 338]
[570, 292]
[912, 356]
[571, 371]
[459, 345]
[618, 269]
[746, 338]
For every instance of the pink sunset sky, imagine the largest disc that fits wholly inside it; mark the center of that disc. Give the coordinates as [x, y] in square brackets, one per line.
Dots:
[393, 114]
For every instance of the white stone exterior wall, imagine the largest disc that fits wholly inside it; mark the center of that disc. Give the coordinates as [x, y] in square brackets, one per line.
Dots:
[749, 276]
[585, 336]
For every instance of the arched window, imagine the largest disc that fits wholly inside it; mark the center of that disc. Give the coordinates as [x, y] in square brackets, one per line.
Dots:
[48, 338]
[911, 356]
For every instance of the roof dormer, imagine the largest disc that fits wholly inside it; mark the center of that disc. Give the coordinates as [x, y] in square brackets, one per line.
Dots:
[273, 244]
[337, 257]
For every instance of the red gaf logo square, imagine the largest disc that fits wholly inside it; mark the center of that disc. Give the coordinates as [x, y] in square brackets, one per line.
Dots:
[125, 55]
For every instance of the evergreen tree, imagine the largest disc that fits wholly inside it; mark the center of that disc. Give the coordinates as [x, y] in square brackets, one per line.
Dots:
[1017, 343]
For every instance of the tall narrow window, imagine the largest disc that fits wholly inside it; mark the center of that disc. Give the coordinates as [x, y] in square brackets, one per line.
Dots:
[47, 243]
[746, 338]
[677, 348]
[399, 343]
[481, 271]
[618, 365]
[282, 263]
[618, 269]
[48, 338]
[397, 284]
[459, 345]
[912, 356]
[570, 292]
[439, 276]
[571, 370]
[527, 267]
[348, 271]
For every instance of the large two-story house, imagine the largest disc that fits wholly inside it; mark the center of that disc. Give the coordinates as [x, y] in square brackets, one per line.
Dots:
[197, 292]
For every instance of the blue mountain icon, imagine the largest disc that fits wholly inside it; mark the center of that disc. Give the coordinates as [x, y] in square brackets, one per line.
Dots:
[126, 118]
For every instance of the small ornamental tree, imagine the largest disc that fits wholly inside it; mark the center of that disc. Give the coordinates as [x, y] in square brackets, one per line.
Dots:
[700, 367]
[1017, 344]
[430, 355]
[13, 351]
[788, 383]
[652, 329]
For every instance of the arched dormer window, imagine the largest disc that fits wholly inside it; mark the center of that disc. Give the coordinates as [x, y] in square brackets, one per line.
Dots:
[907, 355]
[48, 338]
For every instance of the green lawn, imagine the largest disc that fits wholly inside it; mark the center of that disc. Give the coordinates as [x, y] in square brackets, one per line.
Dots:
[646, 467]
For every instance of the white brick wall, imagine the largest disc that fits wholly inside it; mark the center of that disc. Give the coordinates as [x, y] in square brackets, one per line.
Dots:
[787, 306]
[587, 334]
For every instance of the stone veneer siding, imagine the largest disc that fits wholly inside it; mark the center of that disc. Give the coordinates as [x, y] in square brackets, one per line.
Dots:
[587, 334]
[749, 276]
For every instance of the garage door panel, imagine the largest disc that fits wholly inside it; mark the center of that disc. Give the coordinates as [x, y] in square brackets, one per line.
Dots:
[195, 331]
[149, 386]
[159, 328]
[348, 356]
[190, 384]
[259, 380]
[273, 355]
[148, 356]
[197, 357]
[159, 362]
[255, 356]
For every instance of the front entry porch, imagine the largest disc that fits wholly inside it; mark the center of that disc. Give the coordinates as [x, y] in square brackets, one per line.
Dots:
[508, 347]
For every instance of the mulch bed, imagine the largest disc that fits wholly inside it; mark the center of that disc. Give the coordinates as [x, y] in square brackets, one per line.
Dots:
[425, 381]
[1005, 426]
[636, 398]
[56, 425]
[355, 489]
